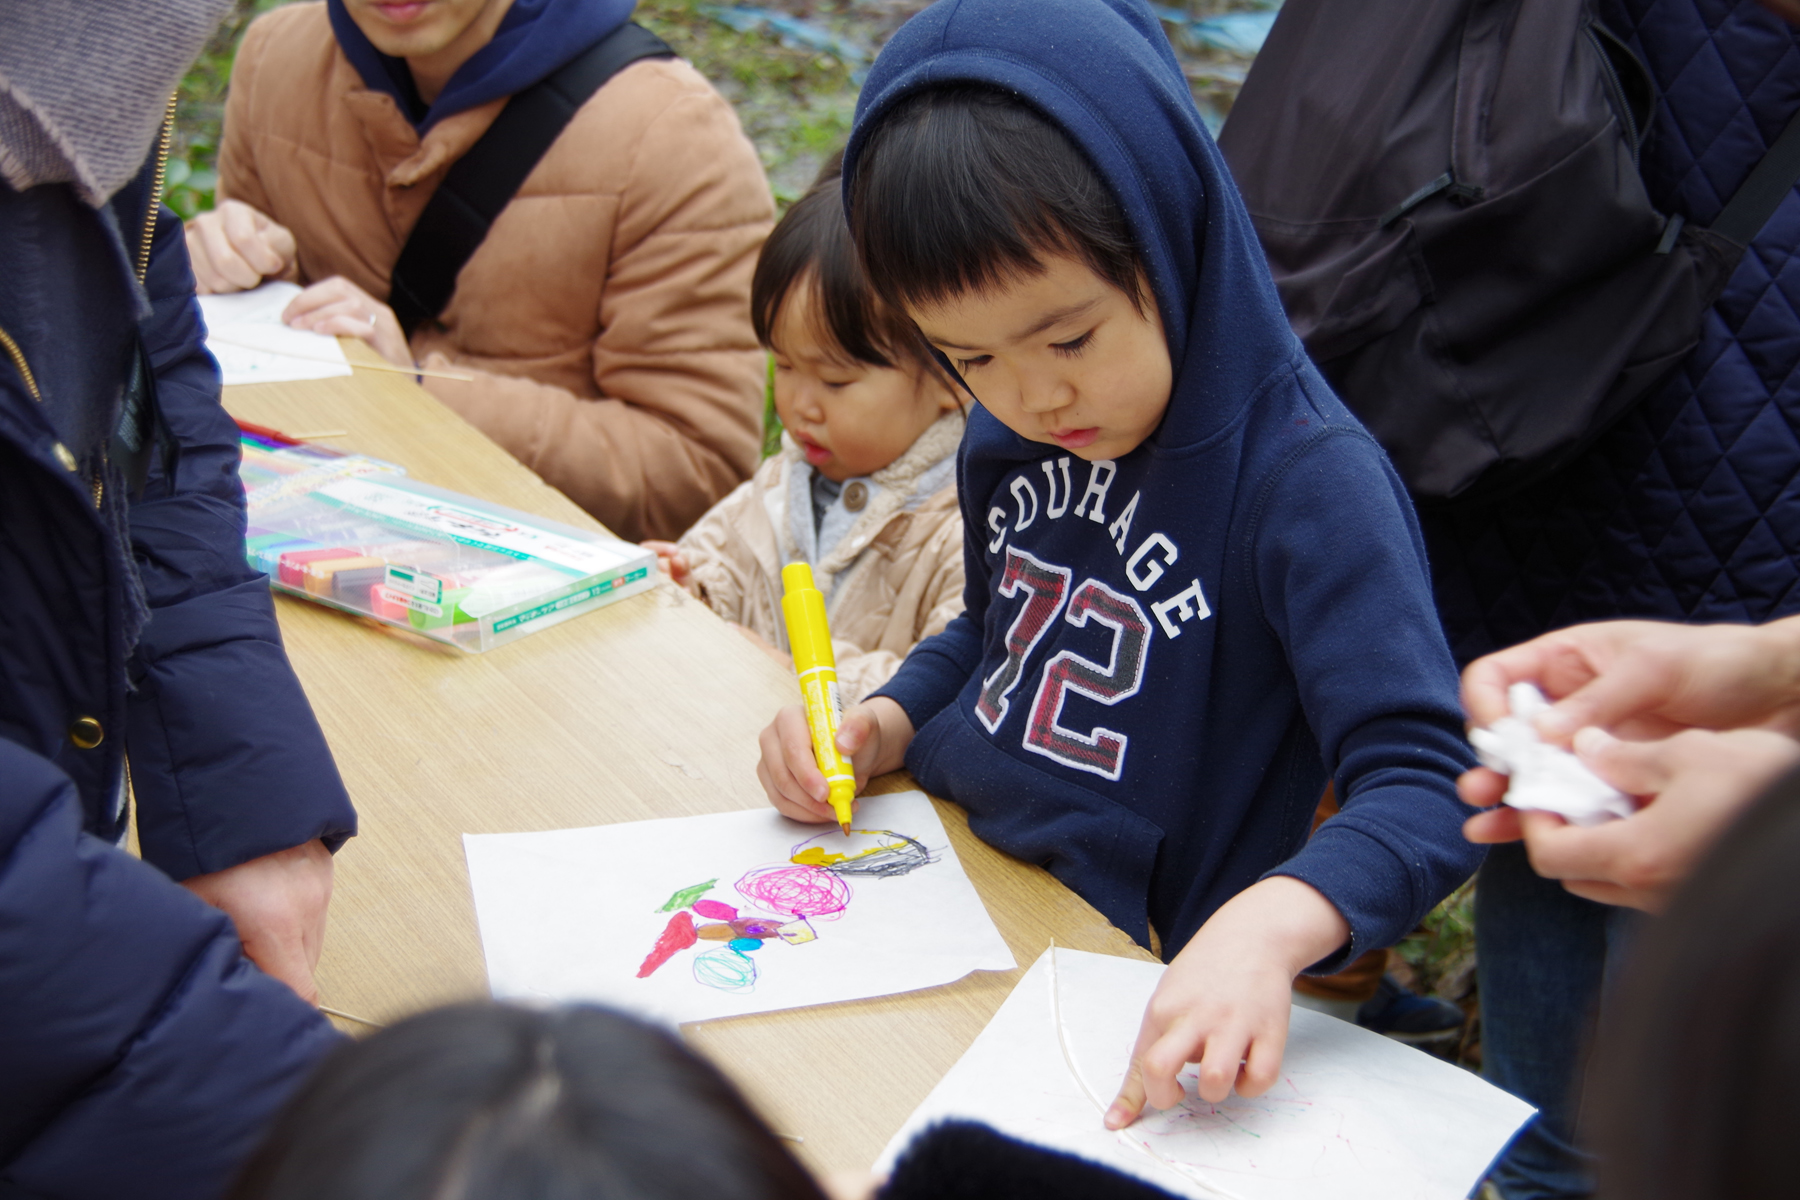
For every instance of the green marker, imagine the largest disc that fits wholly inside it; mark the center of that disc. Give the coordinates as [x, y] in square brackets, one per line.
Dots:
[687, 895]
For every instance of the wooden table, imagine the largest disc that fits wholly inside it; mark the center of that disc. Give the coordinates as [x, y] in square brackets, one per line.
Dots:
[647, 708]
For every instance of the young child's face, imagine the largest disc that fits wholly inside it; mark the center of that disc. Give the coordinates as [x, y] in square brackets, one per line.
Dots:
[1062, 357]
[848, 417]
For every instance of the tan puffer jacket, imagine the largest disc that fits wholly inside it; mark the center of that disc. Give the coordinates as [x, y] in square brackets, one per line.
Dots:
[892, 575]
[606, 316]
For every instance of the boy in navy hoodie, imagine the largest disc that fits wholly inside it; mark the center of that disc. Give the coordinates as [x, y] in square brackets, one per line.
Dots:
[1196, 590]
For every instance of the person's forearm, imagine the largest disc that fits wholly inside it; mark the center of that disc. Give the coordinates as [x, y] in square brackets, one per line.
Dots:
[1283, 915]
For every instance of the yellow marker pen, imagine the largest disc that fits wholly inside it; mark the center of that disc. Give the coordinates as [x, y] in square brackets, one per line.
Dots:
[809, 640]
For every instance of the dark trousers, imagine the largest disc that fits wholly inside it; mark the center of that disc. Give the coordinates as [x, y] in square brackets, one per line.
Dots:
[1544, 957]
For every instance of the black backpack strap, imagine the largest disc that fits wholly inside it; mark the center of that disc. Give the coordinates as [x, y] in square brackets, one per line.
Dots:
[1750, 208]
[483, 181]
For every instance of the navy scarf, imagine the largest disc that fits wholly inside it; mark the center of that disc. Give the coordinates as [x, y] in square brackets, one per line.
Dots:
[535, 38]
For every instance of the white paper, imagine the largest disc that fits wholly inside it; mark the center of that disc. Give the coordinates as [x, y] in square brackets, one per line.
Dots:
[1543, 776]
[573, 914]
[1354, 1115]
[245, 333]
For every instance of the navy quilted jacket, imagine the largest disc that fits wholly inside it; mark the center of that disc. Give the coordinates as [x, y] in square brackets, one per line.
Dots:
[140, 1052]
[1688, 510]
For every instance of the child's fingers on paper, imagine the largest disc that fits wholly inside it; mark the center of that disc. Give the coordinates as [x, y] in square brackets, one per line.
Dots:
[1262, 1063]
[1130, 1101]
[1482, 787]
[1220, 1063]
[1493, 827]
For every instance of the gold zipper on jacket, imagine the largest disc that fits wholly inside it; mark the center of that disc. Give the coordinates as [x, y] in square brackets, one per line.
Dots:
[163, 143]
[18, 361]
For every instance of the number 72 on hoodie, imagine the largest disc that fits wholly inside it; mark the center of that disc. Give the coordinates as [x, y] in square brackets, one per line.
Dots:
[1046, 594]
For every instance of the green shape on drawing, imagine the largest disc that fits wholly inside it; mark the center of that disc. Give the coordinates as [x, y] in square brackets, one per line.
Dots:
[687, 896]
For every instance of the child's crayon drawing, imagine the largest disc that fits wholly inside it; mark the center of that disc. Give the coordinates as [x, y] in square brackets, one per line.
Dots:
[779, 903]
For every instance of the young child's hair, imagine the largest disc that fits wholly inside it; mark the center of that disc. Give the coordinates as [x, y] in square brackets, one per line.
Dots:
[962, 187]
[810, 246]
[484, 1101]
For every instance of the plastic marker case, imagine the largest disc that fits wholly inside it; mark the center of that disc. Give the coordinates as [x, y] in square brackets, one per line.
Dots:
[355, 533]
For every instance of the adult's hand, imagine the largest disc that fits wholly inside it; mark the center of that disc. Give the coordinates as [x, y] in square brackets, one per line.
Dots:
[278, 903]
[1645, 680]
[338, 307]
[1691, 786]
[1648, 679]
[234, 248]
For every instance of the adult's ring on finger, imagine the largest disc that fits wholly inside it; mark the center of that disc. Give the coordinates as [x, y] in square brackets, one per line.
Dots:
[371, 320]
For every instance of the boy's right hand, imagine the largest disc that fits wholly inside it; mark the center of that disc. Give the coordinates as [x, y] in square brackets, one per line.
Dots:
[874, 736]
[234, 248]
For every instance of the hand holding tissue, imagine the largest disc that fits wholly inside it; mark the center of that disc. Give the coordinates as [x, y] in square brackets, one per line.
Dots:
[1543, 776]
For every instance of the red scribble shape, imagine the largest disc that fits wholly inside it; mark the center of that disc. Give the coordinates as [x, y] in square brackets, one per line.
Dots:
[678, 934]
[795, 891]
[715, 910]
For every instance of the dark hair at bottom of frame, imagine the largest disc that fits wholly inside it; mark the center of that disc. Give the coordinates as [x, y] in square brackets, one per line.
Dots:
[496, 1102]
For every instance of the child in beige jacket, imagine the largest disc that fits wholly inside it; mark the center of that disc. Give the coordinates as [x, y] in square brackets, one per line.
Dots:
[864, 487]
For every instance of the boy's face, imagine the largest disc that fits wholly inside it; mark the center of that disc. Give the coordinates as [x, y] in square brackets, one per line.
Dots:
[1062, 357]
[848, 417]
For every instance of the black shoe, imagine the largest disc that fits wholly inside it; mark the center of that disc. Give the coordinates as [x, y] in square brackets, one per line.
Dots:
[1407, 1016]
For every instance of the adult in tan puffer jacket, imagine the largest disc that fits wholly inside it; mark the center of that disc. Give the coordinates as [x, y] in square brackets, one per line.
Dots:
[605, 316]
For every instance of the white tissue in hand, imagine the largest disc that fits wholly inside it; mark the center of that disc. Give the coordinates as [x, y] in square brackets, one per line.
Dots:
[1544, 776]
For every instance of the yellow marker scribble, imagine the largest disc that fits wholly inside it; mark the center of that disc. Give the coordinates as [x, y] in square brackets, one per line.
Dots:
[815, 856]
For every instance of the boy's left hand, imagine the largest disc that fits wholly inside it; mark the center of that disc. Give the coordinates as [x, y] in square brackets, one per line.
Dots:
[1223, 1002]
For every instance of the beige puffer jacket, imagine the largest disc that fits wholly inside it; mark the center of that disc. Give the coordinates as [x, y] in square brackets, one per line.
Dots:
[606, 317]
[891, 570]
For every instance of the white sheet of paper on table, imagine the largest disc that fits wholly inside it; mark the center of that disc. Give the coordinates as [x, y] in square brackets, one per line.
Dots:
[245, 333]
[573, 914]
[1355, 1116]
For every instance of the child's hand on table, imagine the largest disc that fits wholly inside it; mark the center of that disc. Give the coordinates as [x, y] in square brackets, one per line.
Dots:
[1223, 1003]
[873, 736]
[671, 562]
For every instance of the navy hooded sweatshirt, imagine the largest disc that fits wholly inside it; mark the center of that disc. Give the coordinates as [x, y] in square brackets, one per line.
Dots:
[1163, 658]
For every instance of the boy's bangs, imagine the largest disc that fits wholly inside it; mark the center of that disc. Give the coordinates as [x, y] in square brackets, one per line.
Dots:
[964, 188]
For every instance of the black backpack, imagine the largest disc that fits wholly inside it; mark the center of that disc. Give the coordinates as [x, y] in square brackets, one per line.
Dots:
[1449, 197]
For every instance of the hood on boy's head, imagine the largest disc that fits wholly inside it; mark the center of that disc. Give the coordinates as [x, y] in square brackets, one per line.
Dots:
[1102, 70]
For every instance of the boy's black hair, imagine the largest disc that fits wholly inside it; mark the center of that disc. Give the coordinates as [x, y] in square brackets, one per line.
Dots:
[962, 187]
[811, 247]
[486, 1101]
